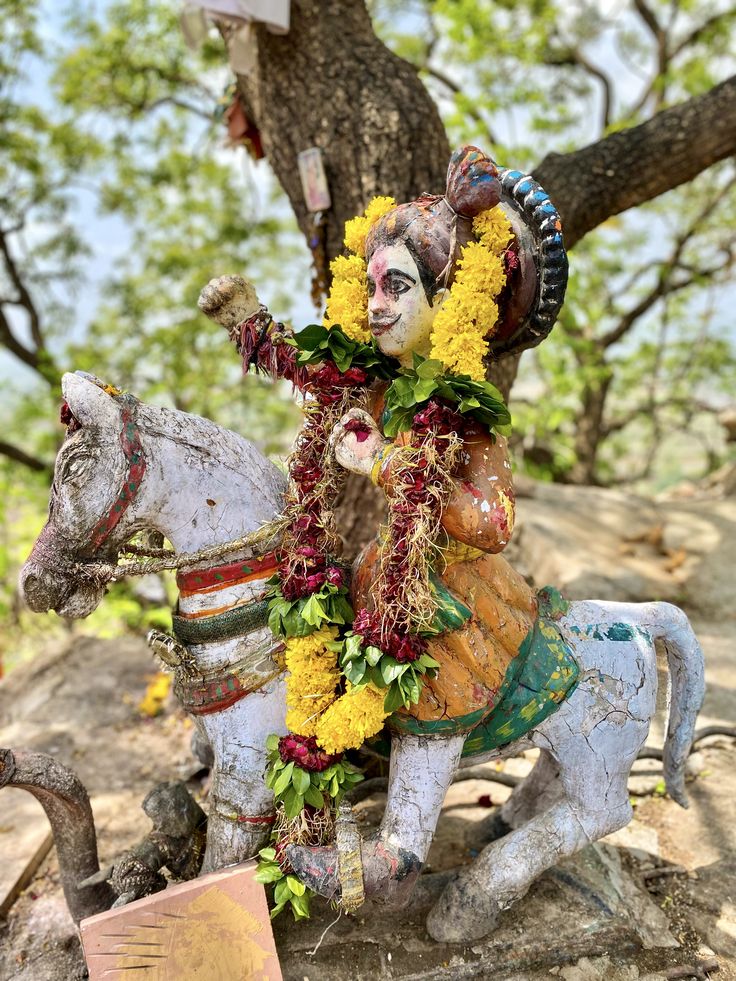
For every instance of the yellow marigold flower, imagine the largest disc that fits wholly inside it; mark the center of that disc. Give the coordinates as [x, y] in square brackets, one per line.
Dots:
[347, 304]
[313, 677]
[469, 314]
[493, 228]
[353, 718]
[356, 230]
[348, 267]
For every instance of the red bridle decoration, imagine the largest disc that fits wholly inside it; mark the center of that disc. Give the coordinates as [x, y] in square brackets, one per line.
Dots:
[136, 467]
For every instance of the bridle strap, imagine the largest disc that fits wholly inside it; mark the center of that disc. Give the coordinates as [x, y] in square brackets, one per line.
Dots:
[130, 442]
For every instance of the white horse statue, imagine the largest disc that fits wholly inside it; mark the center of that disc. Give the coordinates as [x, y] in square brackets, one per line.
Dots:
[130, 466]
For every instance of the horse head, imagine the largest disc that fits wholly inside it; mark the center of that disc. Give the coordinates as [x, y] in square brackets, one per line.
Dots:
[96, 477]
[125, 466]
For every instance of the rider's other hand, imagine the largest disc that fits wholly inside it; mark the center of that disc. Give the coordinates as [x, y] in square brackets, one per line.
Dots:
[357, 441]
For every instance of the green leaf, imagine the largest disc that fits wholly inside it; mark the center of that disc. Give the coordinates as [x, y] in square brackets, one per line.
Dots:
[424, 389]
[293, 803]
[297, 888]
[351, 648]
[313, 612]
[272, 743]
[268, 873]
[314, 797]
[282, 891]
[373, 655]
[300, 780]
[284, 780]
[394, 699]
[391, 669]
[397, 421]
[268, 854]
[300, 906]
[355, 671]
[429, 368]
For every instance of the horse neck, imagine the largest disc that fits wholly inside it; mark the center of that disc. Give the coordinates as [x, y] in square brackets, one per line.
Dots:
[204, 485]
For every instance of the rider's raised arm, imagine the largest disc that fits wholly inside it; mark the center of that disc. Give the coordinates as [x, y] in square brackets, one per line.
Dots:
[261, 341]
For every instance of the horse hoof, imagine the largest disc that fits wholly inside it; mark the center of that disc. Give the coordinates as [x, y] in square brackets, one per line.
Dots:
[461, 914]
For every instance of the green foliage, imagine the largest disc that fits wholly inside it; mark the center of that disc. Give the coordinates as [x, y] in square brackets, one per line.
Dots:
[318, 343]
[530, 77]
[118, 118]
[427, 379]
[301, 617]
[628, 385]
[369, 665]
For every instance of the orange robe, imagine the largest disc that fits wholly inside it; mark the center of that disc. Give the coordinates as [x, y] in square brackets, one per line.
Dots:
[474, 659]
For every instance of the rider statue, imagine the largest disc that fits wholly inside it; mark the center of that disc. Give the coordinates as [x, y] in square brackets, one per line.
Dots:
[452, 281]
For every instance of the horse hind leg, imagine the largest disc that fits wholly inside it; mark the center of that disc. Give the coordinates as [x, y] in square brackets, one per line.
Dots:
[594, 803]
[536, 792]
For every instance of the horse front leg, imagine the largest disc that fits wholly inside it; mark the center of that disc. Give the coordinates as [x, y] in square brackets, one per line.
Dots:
[421, 770]
[241, 812]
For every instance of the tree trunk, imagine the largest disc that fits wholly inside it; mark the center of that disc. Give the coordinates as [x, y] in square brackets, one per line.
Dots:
[331, 83]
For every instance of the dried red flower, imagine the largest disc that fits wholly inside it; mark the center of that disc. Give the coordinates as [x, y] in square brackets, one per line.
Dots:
[303, 751]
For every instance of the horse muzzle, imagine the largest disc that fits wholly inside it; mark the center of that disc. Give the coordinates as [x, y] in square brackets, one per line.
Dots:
[40, 588]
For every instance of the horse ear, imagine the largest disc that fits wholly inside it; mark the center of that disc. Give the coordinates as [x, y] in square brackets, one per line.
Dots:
[89, 404]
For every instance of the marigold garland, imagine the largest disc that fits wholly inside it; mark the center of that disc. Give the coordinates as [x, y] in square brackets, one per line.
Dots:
[465, 321]
[313, 677]
[351, 719]
[347, 304]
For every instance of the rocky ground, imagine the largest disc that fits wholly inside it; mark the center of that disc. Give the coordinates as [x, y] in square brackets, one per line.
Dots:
[657, 901]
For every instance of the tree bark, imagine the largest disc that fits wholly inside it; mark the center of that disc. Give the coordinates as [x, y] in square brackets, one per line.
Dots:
[331, 83]
[627, 168]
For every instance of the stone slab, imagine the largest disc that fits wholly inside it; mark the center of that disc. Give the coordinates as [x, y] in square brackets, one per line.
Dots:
[215, 928]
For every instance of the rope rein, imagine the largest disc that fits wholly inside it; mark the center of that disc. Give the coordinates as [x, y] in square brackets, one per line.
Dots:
[162, 560]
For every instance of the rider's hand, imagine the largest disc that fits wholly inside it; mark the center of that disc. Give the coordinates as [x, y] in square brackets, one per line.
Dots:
[357, 442]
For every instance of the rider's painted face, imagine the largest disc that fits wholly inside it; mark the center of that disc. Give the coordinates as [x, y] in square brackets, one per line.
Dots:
[399, 314]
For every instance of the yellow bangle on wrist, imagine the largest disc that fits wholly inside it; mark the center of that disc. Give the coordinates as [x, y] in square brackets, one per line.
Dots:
[379, 462]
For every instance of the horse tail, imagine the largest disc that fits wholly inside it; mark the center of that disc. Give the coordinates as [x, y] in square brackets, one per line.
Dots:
[685, 691]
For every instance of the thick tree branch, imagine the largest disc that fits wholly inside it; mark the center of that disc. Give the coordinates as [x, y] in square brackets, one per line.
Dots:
[18, 455]
[627, 168]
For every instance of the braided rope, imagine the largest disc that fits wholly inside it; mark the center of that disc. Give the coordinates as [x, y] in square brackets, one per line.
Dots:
[163, 560]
